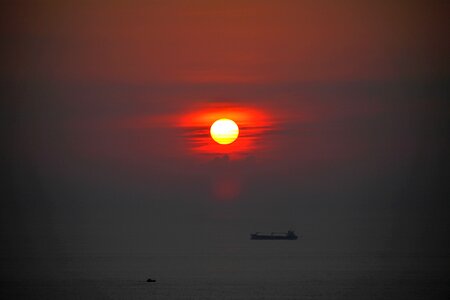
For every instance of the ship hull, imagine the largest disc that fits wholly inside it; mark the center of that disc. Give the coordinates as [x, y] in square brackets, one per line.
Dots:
[271, 237]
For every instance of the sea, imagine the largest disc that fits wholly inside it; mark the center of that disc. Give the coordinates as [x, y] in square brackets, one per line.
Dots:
[245, 270]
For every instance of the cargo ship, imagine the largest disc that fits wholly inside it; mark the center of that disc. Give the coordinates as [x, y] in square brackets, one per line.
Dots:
[290, 235]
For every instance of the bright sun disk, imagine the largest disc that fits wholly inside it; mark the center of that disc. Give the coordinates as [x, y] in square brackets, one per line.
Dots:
[224, 131]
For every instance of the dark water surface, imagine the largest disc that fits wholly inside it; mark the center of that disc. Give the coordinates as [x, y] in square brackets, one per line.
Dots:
[252, 270]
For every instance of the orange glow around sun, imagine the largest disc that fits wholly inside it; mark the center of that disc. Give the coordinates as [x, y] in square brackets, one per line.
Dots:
[225, 136]
[224, 131]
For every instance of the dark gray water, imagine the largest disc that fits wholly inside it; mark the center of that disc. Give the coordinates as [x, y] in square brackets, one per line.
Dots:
[250, 270]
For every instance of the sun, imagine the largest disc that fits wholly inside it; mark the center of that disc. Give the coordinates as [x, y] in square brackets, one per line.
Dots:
[224, 131]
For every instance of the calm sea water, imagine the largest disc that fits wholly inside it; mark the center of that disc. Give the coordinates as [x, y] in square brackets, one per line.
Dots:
[252, 270]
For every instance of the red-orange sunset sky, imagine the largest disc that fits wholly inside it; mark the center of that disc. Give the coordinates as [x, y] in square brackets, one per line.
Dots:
[342, 108]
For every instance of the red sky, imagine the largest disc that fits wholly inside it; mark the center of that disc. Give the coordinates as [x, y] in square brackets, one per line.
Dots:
[227, 42]
[341, 104]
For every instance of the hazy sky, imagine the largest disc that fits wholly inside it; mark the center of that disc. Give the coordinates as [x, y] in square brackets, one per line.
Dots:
[343, 108]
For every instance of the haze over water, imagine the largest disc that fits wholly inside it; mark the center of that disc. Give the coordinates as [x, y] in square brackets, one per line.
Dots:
[239, 269]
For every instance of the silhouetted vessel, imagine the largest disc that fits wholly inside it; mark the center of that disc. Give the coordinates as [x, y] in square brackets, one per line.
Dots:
[290, 235]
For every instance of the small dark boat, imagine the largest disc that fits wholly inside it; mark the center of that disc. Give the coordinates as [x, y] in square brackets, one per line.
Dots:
[151, 280]
[290, 235]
